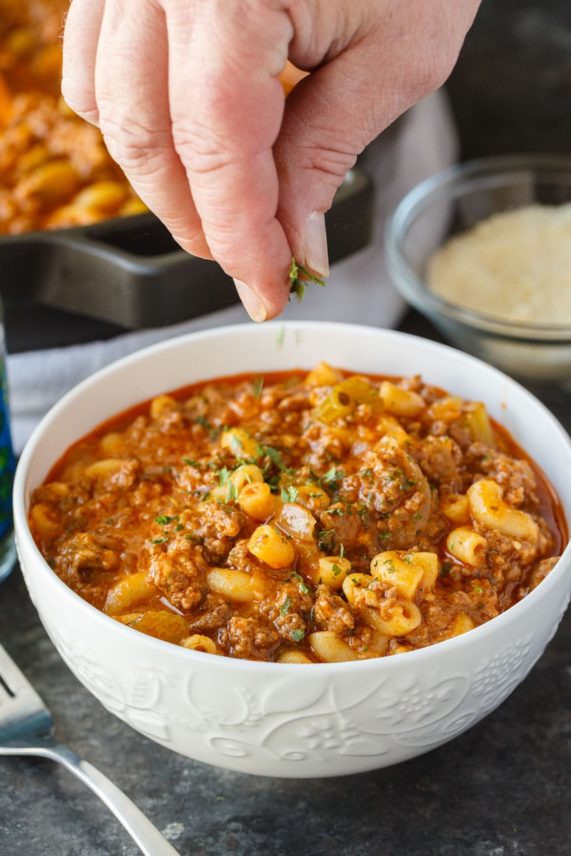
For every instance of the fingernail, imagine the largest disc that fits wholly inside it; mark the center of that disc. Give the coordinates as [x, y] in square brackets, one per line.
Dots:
[315, 235]
[252, 303]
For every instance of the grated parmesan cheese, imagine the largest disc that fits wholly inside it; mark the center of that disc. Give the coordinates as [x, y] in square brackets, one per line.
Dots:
[515, 266]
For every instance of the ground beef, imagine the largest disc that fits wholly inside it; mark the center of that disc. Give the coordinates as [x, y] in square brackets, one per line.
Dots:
[341, 525]
[541, 569]
[216, 525]
[241, 559]
[213, 615]
[288, 610]
[179, 572]
[85, 553]
[331, 612]
[514, 475]
[440, 459]
[508, 557]
[249, 637]
[83, 560]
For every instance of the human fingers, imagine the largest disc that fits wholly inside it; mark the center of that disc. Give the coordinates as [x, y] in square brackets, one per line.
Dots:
[227, 105]
[81, 35]
[131, 90]
[375, 60]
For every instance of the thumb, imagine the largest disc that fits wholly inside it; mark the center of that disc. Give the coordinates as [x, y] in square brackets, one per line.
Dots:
[335, 112]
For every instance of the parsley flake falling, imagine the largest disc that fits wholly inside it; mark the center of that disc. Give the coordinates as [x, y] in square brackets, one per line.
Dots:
[299, 277]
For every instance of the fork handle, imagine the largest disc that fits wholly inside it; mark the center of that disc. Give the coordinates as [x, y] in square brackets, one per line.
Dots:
[147, 837]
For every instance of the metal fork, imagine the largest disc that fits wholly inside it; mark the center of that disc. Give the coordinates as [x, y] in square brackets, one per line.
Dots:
[26, 728]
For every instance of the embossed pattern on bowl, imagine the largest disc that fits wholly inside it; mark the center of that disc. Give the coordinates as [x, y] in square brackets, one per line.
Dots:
[278, 719]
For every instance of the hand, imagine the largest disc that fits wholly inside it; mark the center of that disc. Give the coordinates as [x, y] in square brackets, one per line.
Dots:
[187, 95]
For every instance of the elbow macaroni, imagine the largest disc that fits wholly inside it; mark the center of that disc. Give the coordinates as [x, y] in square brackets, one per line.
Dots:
[406, 571]
[455, 507]
[401, 402]
[269, 545]
[467, 546]
[487, 506]
[330, 647]
[235, 585]
[399, 618]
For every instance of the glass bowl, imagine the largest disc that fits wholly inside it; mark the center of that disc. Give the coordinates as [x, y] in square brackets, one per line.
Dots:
[452, 202]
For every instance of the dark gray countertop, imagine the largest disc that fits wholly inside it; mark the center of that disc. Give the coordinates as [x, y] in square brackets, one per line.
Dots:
[502, 789]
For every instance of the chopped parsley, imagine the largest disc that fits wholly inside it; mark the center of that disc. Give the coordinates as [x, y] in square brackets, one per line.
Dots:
[232, 492]
[477, 588]
[208, 426]
[159, 540]
[289, 494]
[284, 608]
[301, 582]
[223, 476]
[333, 475]
[299, 277]
[165, 519]
[336, 569]
[407, 483]
[274, 456]
[190, 462]
[297, 635]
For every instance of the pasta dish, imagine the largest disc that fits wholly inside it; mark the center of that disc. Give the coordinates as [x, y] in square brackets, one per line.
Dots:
[300, 517]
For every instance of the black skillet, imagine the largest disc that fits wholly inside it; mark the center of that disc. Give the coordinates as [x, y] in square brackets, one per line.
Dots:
[92, 282]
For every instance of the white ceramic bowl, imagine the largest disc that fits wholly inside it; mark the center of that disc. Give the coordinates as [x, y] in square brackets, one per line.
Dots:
[293, 720]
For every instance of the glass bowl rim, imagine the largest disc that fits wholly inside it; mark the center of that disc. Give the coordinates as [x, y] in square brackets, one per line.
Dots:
[418, 199]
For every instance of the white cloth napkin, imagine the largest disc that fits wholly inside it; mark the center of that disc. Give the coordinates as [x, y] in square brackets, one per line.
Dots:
[359, 289]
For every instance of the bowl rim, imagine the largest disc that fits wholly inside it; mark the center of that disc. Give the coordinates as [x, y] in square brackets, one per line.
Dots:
[415, 289]
[24, 536]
